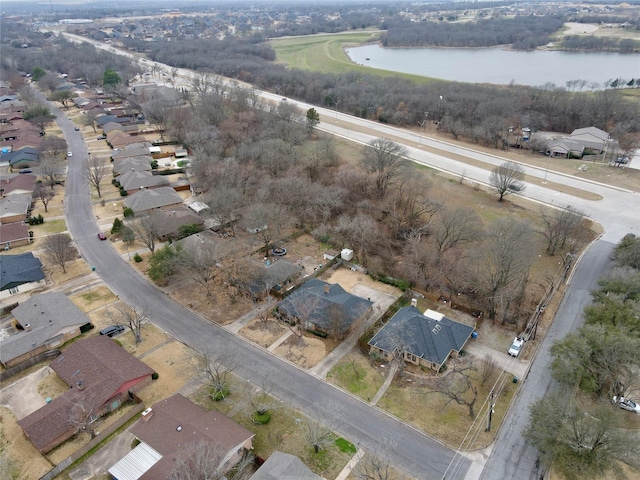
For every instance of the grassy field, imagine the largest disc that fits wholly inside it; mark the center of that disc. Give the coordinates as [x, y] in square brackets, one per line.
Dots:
[325, 53]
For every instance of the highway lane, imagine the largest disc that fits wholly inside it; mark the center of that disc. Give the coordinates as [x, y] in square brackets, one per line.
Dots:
[367, 426]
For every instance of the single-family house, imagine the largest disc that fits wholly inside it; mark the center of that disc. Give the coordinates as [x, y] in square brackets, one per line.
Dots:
[284, 466]
[15, 207]
[324, 307]
[14, 235]
[591, 137]
[118, 139]
[172, 431]
[20, 273]
[565, 148]
[46, 321]
[129, 151]
[145, 201]
[169, 221]
[101, 376]
[427, 339]
[135, 180]
[22, 157]
[17, 183]
[275, 275]
[140, 163]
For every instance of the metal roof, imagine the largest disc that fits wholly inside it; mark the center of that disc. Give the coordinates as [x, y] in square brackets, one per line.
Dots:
[134, 464]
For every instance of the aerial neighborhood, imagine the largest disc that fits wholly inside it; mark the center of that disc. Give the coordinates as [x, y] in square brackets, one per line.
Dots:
[222, 260]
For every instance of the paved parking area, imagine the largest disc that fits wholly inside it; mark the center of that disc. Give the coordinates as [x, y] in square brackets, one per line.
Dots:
[22, 396]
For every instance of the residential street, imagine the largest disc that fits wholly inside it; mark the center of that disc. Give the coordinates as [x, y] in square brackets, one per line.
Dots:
[368, 426]
[417, 454]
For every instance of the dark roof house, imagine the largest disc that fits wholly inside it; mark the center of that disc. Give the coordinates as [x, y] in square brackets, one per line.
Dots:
[101, 376]
[23, 270]
[169, 432]
[425, 339]
[325, 307]
[17, 183]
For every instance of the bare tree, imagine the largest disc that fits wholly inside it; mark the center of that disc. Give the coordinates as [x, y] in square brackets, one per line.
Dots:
[267, 221]
[208, 461]
[374, 467]
[506, 178]
[488, 367]
[89, 120]
[134, 316]
[200, 262]
[217, 366]
[502, 265]
[54, 146]
[96, 170]
[157, 112]
[59, 249]
[82, 417]
[385, 159]
[458, 386]
[460, 225]
[260, 398]
[559, 225]
[146, 230]
[223, 202]
[360, 232]
[50, 168]
[43, 194]
[298, 314]
[318, 434]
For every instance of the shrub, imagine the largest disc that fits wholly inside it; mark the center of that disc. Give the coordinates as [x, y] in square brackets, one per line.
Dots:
[123, 192]
[128, 212]
[137, 258]
[261, 419]
[154, 376]
[182, 163]
[154, 164]
[345, 446]
[219, 395]
[117, 226]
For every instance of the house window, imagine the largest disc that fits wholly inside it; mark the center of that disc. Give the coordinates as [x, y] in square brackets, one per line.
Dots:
[13, 290]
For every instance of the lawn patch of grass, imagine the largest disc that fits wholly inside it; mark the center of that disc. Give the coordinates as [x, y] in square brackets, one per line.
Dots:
[49, 226]
[355, 374]
[345, 446]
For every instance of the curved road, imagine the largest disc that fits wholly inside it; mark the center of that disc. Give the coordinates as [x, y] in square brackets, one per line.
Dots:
[618, 212]
[367, 426]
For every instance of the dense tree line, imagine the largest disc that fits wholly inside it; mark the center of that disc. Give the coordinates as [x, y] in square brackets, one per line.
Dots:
[479, 113]
[599, 44]
[634, 22]
[522, 32]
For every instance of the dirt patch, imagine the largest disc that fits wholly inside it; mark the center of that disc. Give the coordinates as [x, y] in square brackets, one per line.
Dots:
[262, 333]
[306, 355]
[22, 456]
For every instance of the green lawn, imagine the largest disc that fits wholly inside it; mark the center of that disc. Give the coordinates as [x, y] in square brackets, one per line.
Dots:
[325, 53]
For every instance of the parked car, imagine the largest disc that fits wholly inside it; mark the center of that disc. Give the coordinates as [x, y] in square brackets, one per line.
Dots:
[102, 236]
[516, 346]
[26, 170]
[77, 129]
[516, 187]
[69, 154]
[102, 137]
[627, 404]
[622, 160]
[112, 330]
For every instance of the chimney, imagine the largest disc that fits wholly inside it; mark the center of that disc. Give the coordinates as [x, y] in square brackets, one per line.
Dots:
[326, 289]
[80, 385]
[414, 302]
[147, 414]
[27, 327]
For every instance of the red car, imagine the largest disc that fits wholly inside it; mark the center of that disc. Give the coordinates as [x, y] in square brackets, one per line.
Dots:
[102, 236]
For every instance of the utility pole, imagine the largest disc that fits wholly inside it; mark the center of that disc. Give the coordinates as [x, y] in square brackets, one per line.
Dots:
[491, 405]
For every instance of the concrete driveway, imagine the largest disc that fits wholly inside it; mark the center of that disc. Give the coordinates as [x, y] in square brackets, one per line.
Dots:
[504, 361]
[22, 396]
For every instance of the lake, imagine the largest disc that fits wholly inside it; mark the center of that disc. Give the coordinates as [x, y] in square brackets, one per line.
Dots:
[499, 66]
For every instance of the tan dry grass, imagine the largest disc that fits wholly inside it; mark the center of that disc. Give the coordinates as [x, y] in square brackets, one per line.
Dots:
[93, 299]
[261, 333]
[306, 355]
[74, 269]
[29, 463]
[52, 386]
[356, 374]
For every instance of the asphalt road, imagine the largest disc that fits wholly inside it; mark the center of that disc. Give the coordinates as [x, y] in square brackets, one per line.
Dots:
[364, 425]
[618, 212]
[511, 456]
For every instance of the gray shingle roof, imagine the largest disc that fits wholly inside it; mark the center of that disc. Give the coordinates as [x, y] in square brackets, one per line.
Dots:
[152, 198]
[135, 179]
[283, 466]
[15, 204]
[422, 336]
[20, 269]
[310, 302]
[48, 314]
